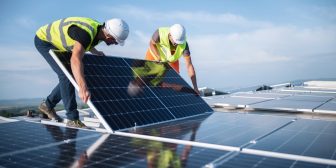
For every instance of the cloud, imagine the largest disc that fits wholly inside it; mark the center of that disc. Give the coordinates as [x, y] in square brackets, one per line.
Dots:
[186, 16]
[227, 49]
[25, 22]
[21, 58]
[26, 84]
[269, 45]
[318, 13]
[326, 12]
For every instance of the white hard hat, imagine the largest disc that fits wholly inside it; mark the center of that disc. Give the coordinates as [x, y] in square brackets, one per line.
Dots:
[118, 29]
[133, 89]
[178, 33]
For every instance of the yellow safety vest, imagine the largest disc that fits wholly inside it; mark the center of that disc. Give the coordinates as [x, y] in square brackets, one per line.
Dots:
[164, 47]
[152, 71]
[57, 32]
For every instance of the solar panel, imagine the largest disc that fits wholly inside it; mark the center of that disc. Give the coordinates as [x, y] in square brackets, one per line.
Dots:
[119, 151]
[245, 160]
[286, 105]
[308, 98]
[314, 138]
[52, 146]
[129, 92]
[235, 102]
[16, 136]
[231, 129]
[260, 94]
[329, 107]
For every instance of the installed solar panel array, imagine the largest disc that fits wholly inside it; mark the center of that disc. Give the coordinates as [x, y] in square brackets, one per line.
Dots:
[201, 141]
[129, 92]
[290, 100]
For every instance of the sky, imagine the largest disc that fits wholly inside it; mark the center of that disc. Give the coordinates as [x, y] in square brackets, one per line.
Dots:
[233, 43]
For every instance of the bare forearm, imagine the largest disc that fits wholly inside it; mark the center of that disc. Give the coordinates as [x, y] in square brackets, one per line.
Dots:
[78, 71]
[192, 75]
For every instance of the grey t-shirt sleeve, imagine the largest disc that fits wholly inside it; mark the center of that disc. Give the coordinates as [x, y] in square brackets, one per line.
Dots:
[156, 36]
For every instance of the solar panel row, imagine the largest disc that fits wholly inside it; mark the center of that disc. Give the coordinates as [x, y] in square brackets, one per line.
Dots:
[52, 146]
[278, 100]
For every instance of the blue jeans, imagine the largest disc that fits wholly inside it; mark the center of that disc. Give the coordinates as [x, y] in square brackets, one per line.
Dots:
[64, 90]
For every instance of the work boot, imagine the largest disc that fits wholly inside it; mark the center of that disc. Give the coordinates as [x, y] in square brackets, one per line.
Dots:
[76, 124]
[51, 113]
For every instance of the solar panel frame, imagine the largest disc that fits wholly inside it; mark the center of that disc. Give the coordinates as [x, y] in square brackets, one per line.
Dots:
[72, 80]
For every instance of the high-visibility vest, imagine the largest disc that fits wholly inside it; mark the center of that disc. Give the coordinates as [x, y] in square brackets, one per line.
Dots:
[164, 47]
[56, 33]
[151, 72]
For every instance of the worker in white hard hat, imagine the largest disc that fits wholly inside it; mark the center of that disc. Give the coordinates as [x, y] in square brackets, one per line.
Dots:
[168, 44]
[76, 35]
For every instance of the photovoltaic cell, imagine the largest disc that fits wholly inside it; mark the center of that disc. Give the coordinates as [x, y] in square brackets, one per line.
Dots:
[129, 92]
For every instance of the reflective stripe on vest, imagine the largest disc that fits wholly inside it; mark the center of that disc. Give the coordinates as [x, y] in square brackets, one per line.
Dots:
[164, 47]
[56, 35]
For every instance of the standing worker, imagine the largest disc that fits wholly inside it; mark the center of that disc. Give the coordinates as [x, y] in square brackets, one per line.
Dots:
[168, 44]
[76, 35]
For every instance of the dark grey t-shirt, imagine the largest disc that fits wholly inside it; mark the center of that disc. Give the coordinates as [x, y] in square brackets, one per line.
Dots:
[82, 36]
[156, 39]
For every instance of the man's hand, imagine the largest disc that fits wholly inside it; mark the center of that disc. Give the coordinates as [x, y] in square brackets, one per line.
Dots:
[197, 91]
[84, 94]
[100, 53]
[96, 52]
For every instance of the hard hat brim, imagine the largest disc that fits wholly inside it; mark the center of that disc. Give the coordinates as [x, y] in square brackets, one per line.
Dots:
[121, 43]
[179, 41]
